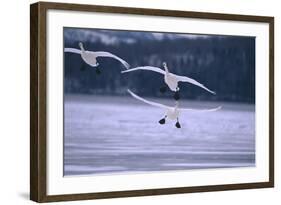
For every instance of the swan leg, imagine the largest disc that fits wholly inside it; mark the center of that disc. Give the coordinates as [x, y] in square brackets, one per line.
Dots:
[177, 95]
[163, 121]
[178, 125]
[163, 89]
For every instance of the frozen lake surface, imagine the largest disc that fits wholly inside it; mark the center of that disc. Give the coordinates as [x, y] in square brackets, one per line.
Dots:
[104, 135]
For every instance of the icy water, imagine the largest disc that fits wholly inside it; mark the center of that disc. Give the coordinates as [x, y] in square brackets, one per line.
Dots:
[105, 135]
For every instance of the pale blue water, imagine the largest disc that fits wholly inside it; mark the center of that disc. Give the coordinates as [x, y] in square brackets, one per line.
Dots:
[120, 134]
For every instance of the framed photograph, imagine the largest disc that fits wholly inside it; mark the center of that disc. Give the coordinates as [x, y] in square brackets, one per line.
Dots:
[135, 102]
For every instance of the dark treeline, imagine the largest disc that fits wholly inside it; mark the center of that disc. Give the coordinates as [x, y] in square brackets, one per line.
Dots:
[225, 64]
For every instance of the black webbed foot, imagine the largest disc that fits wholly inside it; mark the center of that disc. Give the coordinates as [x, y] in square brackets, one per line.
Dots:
[178, 125]
[98, 71]
[177, 95]
[162, 121]
[163, 89]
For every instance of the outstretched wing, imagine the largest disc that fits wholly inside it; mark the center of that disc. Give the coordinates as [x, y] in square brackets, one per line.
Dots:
[151, 68]
[194, 82]
[146, 101]
[110, 55]
[72, 50]
[201, 110]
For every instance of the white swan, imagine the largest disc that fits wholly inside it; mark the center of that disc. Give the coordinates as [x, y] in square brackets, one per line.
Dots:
[172, 80]
[171, 113]
[90, 57]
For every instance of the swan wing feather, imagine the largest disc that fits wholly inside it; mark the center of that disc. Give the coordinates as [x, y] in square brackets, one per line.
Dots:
[194, 82]
[72, 50]
[146, 101]
[110, 55]
[201, 110]
[151, 68]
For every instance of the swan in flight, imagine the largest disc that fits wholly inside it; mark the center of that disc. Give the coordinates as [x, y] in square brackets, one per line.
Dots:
[171, 113]
[90, 57]
[171, 80]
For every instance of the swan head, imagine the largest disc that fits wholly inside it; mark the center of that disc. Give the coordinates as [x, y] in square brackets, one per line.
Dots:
[165, 66]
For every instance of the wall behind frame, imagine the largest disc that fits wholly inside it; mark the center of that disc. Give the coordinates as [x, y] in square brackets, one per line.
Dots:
[14, 103]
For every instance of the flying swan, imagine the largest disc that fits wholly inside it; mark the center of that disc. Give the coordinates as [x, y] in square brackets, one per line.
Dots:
[171, 113]
[172, 80]
[90, 57]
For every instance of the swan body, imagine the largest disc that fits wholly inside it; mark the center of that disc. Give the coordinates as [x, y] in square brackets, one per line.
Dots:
[171, 113]
[90, 57]
[170, 79]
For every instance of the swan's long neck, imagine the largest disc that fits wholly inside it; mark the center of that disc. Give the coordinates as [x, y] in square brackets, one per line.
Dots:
[82, 48]
[166, 70]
